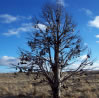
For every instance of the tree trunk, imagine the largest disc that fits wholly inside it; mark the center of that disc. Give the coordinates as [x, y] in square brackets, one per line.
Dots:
[56, 92]
[57, 85]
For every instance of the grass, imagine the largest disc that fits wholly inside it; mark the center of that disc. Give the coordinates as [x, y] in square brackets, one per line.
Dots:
[24, 86]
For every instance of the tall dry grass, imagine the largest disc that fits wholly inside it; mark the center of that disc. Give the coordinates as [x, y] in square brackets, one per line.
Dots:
[23, 85]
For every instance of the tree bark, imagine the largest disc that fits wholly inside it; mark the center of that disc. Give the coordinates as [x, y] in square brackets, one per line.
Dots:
[57, 85]
[56, 92]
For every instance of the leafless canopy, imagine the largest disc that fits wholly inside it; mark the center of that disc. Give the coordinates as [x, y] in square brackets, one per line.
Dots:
[55, 45]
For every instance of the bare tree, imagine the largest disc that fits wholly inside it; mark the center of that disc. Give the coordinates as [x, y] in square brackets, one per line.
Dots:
[55, 45]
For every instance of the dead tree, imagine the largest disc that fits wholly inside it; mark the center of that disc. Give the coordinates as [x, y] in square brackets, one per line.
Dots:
[55, 45]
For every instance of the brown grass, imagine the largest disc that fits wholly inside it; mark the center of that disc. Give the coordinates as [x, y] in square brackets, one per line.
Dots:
[26, 86]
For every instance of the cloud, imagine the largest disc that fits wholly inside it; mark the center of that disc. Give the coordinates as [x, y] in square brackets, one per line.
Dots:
[24, 17]
[95, 22]
[83, 57]
[62, 3]
[6, 18]
[42, 26]
[8, 60]
[97, 36]
[95, 66]
[74, 66]
[97, 41]
[87, 11]
[11, 32]
[27, 27]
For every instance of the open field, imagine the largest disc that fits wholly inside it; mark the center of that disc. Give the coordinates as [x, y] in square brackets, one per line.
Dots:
[24, 86]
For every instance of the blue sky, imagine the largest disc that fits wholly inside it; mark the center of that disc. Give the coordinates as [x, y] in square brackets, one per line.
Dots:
[16, 22]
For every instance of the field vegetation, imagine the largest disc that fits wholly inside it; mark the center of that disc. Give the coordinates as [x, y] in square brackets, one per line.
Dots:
[20, 85]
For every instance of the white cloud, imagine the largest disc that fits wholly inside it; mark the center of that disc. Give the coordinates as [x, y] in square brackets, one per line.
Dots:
[24, 17]
[27, 27]
[6, 18]
[97, 36]
[87, 11]
[11, 32]
[95, 66]
[97, 41]
[62, 3]
[95, 22]
[41, 26]
[7, 60]
[83, 57]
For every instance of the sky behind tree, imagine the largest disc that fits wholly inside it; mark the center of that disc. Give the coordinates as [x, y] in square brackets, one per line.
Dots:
[16, 21]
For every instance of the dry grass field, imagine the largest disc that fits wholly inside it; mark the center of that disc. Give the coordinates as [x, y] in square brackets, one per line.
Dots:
[24, 86]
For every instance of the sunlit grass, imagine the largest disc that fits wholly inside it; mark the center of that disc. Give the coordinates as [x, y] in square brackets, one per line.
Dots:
[21, 84]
